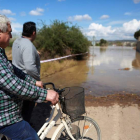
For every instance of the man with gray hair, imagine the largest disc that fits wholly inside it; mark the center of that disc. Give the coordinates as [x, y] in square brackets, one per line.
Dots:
[16, 86]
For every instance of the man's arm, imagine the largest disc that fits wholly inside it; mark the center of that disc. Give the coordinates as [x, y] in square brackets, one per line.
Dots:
[10, 83]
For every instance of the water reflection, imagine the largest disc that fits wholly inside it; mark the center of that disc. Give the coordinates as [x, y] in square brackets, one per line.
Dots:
[136, 61]
[103, 59]
[112, 57]
[126, 64]
[115, 69]
[103, 49]
[113, 72]
[73, 76]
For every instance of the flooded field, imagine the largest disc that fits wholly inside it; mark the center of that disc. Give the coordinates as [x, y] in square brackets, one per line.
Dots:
[105, 71]
[111, 78]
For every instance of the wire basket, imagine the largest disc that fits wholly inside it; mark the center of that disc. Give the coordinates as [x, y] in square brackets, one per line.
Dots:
[73, 102]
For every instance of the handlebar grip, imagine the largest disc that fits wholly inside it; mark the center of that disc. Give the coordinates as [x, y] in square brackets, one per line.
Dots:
[57, 90]
[49, 83]
[44, 85]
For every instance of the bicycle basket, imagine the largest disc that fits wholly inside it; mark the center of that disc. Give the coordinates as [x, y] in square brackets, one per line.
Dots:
[73, 103]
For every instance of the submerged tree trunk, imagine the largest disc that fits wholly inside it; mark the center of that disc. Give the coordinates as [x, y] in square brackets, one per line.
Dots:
[139, 38]
[138, 45]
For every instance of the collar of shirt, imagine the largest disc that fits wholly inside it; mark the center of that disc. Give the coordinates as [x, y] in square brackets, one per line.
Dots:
[3, 51]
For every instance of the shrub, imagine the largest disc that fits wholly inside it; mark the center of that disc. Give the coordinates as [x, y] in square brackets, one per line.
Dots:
[11, 42]
[59, 37]
[137, 34]
[103, 42]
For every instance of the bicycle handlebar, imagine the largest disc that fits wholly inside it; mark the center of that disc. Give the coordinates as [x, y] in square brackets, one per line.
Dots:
[59, 91]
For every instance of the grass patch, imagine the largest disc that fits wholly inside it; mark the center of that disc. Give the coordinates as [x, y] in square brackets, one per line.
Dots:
[8, 51]
[50, 68]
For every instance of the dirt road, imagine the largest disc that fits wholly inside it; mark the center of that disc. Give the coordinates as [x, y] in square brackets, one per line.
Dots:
[118, 116]
[117, 122]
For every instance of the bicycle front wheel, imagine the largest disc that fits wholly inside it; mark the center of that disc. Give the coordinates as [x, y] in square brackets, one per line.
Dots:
[82, 128]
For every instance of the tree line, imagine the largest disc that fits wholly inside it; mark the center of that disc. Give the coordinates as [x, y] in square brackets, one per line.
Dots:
[137, 34]
[102, 42]
[60, 38]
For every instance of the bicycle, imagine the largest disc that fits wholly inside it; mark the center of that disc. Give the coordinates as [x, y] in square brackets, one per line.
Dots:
[73, 125]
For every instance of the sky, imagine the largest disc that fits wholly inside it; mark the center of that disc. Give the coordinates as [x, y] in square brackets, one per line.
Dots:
[107, 19]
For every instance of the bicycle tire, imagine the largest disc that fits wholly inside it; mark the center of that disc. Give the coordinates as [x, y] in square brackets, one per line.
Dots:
[77, 130]
[3, 137]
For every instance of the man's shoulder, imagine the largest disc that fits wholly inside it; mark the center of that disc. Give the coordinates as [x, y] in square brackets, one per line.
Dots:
[22, 40]
[23, 43]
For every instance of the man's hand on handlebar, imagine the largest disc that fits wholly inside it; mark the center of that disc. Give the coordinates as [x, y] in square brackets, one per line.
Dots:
[52, 96]
[39, 84]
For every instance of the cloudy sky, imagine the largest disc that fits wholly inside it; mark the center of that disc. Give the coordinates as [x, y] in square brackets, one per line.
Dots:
[107, 19]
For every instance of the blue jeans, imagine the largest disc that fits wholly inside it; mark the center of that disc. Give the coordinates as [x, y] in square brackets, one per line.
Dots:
[19, 131]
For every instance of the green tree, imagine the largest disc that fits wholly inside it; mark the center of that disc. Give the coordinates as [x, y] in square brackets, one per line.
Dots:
[137, 34]
[103, 42]
[59, 37]
[119, 43]
[97, 44]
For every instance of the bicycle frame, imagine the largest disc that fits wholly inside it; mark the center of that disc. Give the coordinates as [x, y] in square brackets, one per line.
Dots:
[47, 126]
[42, 133]
[1, 135]
[65, 123]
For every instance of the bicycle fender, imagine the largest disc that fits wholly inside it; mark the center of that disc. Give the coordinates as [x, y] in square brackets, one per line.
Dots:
[56, 131]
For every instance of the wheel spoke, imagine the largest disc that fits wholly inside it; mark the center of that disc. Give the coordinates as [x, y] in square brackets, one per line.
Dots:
[83, 128]
[89, 127]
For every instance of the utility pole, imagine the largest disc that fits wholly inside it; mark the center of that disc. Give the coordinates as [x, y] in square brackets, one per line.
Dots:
[93, 40]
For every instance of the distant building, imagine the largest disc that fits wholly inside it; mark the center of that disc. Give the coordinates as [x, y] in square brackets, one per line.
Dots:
[129, 43]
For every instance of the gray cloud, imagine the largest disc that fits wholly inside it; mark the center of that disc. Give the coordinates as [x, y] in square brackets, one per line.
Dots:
[104, 17]
[126, 31]
[61, 0]
[79, 17]
[136, 1]
[37, 12]
[23, 14]
[127, 13]
[6, 12]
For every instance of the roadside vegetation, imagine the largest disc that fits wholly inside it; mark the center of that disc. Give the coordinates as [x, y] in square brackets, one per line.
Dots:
[56, 40]
[137, 35]
[50, 68]
[102, 43]
[59, 39]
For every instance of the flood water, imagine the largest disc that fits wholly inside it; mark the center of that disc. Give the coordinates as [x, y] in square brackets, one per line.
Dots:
[105, 71]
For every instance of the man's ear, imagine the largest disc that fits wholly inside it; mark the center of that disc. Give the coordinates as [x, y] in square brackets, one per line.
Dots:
[34, 32]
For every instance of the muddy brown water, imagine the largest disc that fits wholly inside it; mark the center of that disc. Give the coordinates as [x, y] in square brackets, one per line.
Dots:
[111, 78]
[105, 71]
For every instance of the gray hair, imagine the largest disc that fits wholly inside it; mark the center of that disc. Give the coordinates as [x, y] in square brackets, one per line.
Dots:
[3, 23]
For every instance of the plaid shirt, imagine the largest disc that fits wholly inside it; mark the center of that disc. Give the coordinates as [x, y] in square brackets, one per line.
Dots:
[15, 86]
